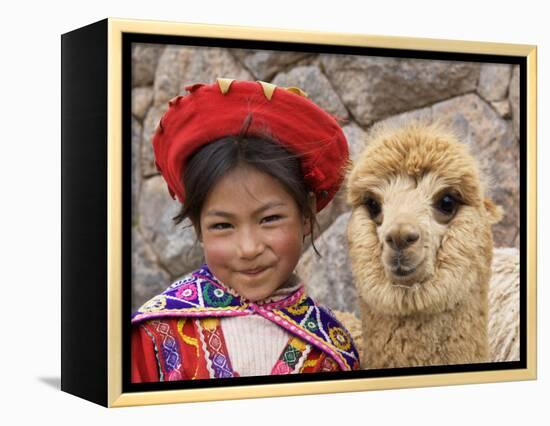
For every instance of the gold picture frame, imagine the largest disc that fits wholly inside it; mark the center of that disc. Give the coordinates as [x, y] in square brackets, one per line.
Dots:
[107, 45]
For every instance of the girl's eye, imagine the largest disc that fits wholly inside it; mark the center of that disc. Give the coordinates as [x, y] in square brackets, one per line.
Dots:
[271, 218]
[220, 226]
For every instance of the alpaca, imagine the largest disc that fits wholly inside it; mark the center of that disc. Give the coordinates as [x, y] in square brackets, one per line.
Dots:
[420, 248]
[503, 309]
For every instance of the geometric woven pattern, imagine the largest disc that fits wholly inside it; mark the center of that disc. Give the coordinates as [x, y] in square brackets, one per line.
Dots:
[201, 295]
[213, 345]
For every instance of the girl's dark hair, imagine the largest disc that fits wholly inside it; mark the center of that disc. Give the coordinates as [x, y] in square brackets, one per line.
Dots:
[207, 166]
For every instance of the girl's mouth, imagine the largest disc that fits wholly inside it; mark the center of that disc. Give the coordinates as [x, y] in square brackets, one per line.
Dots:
[254, 271]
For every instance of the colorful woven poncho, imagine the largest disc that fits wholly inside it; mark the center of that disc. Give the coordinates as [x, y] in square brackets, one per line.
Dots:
[177, 334]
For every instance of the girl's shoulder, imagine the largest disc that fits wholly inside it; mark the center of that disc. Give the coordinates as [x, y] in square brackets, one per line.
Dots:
[318, 324]
[196, 294]
[326, 312]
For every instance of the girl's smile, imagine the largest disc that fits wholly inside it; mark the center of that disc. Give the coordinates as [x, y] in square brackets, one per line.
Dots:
[252, 232]
[254, 272]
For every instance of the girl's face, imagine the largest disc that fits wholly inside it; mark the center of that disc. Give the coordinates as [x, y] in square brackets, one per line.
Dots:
[252, 232]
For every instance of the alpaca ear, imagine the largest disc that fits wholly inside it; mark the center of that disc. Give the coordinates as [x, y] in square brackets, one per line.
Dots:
[494, 212]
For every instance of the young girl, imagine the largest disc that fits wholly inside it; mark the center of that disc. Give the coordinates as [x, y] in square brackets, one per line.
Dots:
[251, 163]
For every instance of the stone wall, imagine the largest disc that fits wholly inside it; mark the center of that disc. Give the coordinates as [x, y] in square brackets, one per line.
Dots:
[481, 101]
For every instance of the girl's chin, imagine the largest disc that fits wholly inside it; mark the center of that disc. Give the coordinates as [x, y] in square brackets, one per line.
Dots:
[254, 292]
[255, 295]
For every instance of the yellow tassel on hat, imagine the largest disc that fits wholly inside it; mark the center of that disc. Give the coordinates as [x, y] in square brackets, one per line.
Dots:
[225, 84]
[268, 88]
[298, 91]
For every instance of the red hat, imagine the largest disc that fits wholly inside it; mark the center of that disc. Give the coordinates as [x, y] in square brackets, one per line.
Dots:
[211, 112]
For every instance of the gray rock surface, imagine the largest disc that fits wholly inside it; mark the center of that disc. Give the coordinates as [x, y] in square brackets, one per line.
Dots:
[136, 164]
[503, 108]
[182, 66]
[493, 81]
[422, 114]
[144, 63]
[150, 124]
[174, 245]
[142, 97]
[312, 81]
[513, 97]
[147, 277]
[356, 139]
[328, 279]
[264, 64]
[374, 88]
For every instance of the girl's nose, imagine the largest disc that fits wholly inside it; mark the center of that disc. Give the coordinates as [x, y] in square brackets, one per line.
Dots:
[250, 245]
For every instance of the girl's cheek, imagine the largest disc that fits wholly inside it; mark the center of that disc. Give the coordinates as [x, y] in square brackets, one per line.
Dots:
[217, 248]
[288, 239]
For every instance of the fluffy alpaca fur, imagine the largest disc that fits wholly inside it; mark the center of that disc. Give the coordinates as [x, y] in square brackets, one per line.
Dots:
[503, 309]
[422, 271]
[504, 306]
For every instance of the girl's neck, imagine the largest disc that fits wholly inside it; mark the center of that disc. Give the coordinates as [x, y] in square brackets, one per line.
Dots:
[289, 287]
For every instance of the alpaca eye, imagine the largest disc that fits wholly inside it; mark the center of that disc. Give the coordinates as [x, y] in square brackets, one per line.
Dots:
[447, 204]
[373, 207]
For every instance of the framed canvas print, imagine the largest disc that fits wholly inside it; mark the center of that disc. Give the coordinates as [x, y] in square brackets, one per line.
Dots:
[252, 212]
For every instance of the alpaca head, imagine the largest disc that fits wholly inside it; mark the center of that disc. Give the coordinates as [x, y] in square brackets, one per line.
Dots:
[420, 230]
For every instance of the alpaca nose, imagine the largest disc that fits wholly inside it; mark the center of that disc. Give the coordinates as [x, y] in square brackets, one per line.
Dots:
[402, 236]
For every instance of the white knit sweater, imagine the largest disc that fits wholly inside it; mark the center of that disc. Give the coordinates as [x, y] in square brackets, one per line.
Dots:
[255, 343]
